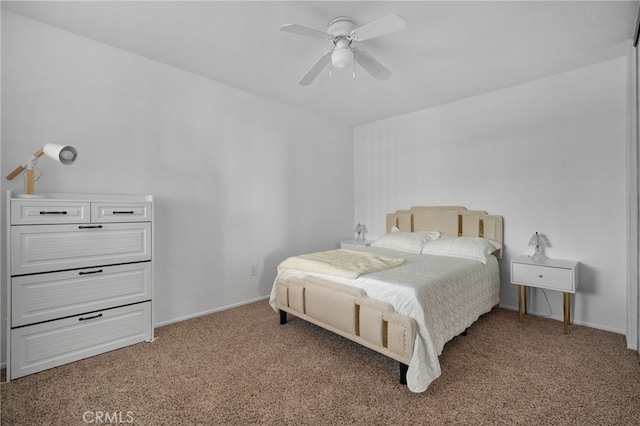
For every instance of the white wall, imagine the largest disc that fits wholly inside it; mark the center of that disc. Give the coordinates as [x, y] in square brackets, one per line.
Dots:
[238, 179]
[548, 156]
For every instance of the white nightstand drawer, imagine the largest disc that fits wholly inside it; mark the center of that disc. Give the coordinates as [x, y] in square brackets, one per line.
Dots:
[554, 278]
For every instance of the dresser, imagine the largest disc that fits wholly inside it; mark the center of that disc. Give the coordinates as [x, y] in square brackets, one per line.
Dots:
[80, 274]
[552, 274]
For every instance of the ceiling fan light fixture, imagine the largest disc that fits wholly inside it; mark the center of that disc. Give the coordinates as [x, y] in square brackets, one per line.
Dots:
[342, 57]
[342, 31]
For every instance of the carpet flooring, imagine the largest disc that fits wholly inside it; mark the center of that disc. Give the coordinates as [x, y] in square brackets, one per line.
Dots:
[240, 367]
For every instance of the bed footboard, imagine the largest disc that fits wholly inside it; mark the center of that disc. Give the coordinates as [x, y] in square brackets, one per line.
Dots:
[349, 312]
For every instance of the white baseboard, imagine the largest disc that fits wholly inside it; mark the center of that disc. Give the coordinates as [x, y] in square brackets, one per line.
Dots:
[559, 318]
[199, 314]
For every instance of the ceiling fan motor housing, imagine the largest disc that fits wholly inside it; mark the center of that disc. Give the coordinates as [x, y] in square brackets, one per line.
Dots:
[341, 26]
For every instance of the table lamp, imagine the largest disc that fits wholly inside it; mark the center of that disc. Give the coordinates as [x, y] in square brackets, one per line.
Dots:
[361, 230]
[61, 153]
[539, 241]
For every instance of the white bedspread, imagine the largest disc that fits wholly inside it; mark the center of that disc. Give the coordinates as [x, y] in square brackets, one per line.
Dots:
[445, 295]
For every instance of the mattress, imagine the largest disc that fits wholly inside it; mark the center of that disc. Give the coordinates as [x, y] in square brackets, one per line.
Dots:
[444, 295]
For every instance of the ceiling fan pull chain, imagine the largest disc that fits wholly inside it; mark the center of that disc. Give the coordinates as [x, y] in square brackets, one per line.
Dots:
[354, 65]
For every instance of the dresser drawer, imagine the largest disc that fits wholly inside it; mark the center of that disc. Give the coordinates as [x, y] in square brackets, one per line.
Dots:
[48, 248]
[43, 297]
[554, 278]
[38, 347]
[43, 212]
[120, 212]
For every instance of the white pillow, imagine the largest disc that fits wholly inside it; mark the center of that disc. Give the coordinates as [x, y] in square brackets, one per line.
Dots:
[474, 248]
[405, 241]
[429, 235]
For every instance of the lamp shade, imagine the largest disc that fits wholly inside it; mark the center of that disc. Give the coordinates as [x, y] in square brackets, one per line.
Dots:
[539, 240]
[534, 241]
[61, 153]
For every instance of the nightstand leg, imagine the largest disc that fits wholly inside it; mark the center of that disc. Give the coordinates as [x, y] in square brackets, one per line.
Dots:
[526, 299]
[567, 311]
[519, 303]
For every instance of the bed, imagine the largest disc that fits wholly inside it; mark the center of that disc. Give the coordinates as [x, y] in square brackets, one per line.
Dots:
[427, 280]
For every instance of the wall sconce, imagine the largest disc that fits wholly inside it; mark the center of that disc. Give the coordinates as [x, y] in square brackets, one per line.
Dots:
[61, 153]
[539, 241]
[360, 231]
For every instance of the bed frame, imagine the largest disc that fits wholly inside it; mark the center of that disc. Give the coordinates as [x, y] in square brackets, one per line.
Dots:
[347, 310]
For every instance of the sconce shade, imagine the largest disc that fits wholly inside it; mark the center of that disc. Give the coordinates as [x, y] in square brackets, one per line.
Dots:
[61, 153]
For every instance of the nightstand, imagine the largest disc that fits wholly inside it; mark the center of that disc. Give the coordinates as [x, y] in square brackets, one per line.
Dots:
[354, 244]
[552, 274]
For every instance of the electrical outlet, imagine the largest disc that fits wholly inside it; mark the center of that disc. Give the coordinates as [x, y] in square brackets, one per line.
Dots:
[254, 269]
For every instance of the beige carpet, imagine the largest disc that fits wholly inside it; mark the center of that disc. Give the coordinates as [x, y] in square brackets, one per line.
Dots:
[241, 367]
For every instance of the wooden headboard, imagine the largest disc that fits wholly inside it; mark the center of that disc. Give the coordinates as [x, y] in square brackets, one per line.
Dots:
[453, 221]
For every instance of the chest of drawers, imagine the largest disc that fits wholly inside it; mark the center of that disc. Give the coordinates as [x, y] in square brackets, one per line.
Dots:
[81, 277]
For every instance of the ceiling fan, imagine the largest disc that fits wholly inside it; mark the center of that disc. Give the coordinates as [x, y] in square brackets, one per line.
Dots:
[343, 32]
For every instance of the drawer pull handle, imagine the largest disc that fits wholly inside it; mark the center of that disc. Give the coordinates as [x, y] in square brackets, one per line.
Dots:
[89, 318]
[91, 272]
[540, 276]
[123, 212]
[62, 212]
[89, 226]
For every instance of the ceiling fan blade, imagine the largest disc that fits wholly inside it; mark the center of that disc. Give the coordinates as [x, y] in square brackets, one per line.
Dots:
[315, 69]
[386, 25]
[309, 32]
[372, 66]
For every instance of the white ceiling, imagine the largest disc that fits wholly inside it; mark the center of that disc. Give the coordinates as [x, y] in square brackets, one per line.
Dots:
[450, 50]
